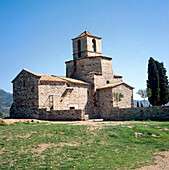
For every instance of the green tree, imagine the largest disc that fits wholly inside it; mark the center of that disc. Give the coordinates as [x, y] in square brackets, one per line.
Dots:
[1, 114]
[163, 83]
[144, 93]
[157, 82]
[117, 97]
[153, 82]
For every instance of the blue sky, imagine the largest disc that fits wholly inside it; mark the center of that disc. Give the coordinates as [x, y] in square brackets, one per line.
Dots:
[36, 35]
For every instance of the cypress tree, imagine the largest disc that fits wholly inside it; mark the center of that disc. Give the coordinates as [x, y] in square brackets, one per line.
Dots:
[153, 82]
[137, 104]
[163, 84]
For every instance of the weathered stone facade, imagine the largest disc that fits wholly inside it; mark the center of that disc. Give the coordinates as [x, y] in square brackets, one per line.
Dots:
[88, 87]
[64, 97]
[25, 96]
[61, 114]
[139, 113]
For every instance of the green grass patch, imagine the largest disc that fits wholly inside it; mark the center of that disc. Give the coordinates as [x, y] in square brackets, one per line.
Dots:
[60, 146]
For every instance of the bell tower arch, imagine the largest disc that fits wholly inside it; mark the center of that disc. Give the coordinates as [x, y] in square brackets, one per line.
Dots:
[86, 45]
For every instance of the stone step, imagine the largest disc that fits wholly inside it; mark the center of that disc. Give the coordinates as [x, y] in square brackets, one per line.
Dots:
[96, 120]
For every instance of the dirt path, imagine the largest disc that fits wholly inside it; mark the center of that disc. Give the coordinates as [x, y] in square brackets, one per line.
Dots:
[162, 162]
[93, 122]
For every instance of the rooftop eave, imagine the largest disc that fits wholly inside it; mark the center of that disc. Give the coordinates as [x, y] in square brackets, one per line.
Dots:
[34, 74]
[87, 36]
[86, 33]
[114, 85]
[105, 57]
[118, 76]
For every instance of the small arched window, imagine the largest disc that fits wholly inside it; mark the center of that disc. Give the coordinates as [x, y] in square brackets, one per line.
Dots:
[94, 45]
[79, 48]
[107, 82]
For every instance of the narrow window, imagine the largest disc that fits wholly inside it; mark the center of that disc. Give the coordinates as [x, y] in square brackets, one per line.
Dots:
[24, 83]
[79, 48]
[94, 45]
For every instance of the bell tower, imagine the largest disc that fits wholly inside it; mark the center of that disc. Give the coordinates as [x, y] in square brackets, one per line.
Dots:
[88, 64]
[86, 45]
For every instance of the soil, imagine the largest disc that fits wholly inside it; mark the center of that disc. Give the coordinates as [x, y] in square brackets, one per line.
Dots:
[162, 162]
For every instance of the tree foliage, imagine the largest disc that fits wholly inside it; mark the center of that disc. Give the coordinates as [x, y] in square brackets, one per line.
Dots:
[117, 97]
[157, 82]
[163, 83]
[1, 114]
[144, 93]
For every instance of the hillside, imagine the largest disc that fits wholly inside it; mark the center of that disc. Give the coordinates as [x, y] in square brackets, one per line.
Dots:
[5, 102]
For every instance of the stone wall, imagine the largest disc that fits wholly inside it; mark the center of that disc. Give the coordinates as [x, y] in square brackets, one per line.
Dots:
[106, 100]
[106, 76]
[87, 65]
[141, 113]
[127, 100]
[64, 115]
[64, 96]
[90, 48]
[84, 66]
[69, 68]
[25, 96]
[95, 70]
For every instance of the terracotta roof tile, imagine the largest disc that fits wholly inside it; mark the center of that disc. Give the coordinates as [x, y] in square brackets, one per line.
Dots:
[74, 81]
[53, 78]
[86, 33]
[114, 85]
[50, 78]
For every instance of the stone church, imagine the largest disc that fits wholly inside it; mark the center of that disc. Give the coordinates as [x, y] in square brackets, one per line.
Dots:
[87, 88]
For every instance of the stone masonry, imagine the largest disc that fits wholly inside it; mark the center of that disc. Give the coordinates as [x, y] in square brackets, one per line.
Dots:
[87, 88]
[160, 113]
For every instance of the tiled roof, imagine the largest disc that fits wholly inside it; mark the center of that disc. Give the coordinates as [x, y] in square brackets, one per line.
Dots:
[26, 71]
[114, 85]
[74, 81]
[53, 78]
[86, 33]
[50, 78]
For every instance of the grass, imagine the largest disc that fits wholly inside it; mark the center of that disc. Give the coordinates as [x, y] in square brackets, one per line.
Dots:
[60, 146]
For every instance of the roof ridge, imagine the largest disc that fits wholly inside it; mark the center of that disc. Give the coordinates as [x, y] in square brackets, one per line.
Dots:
[114, 84]
[29, 72]
[61, 78]
[24, 69]
[86, 33]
